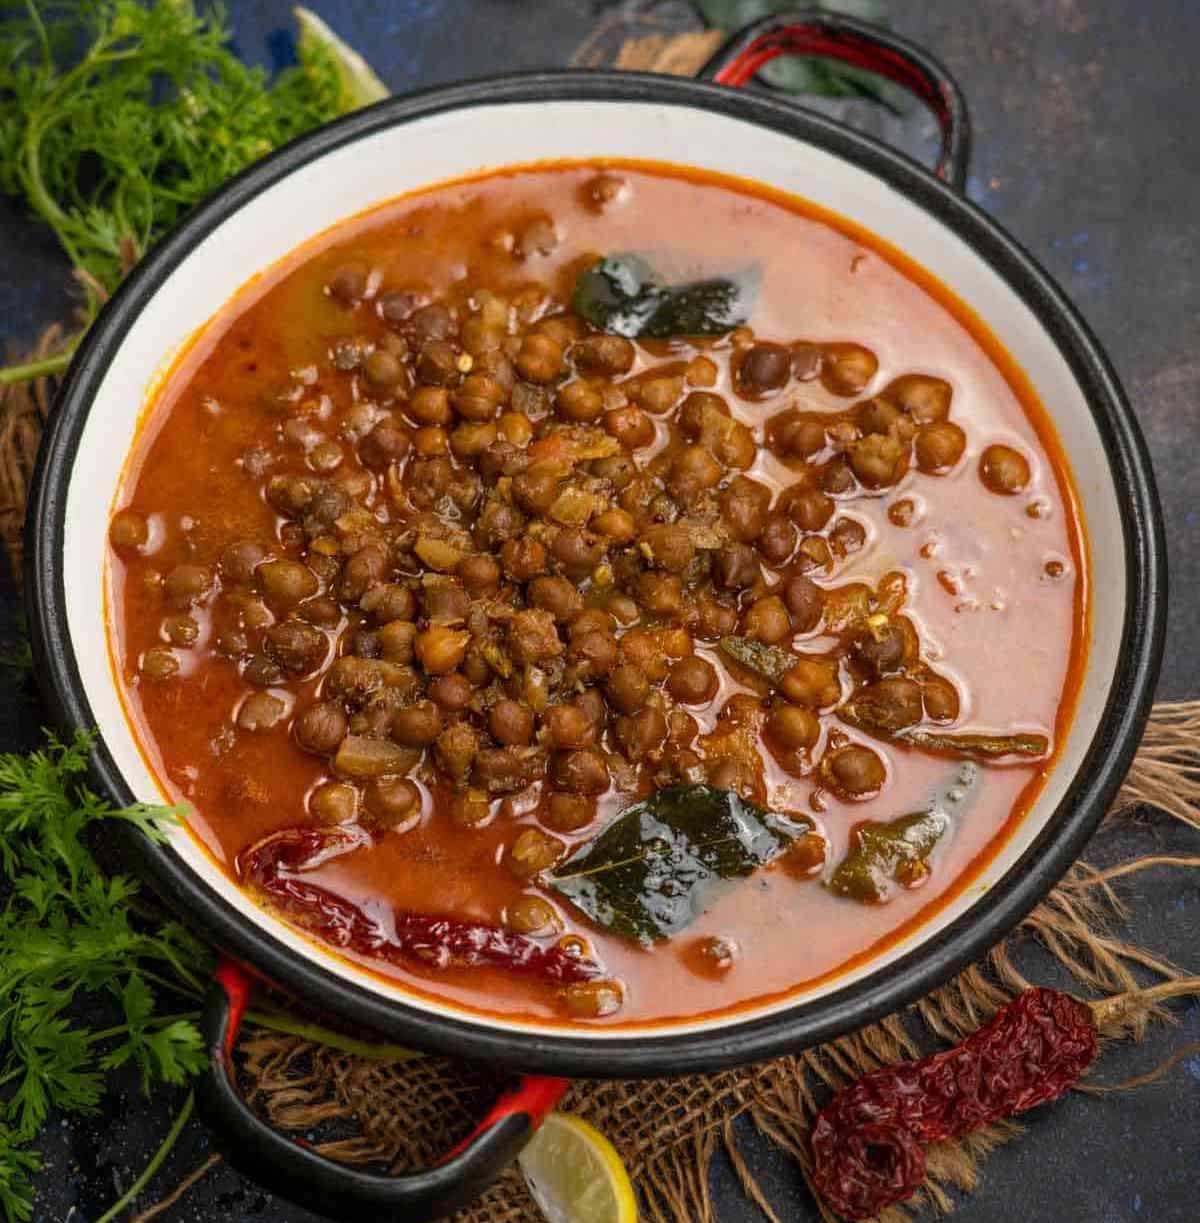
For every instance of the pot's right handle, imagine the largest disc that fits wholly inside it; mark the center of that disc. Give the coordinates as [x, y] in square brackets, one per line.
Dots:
[296, 1172]
[814, 32]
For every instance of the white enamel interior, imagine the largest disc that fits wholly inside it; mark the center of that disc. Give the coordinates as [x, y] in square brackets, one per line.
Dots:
[456, 143]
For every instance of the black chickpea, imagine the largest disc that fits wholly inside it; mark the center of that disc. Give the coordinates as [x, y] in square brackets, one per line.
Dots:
[939, 446]
[854, 771]
[511, 723]
[129, 531]
[320, 728]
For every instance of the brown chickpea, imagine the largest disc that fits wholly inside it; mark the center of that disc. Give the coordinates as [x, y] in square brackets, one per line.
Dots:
[692, 681]
[804, 602]
[878, 460]
[847, 368]
[335, 802]
[939, 446]
[813, 683]
[630, 426]
[854, 771]
[479, 397]
[767, 620]
[568, 726]
[532, 852]
[794, 435]
[626, 688]
[348, 284]
[285, 583]
[763, 369]
[892, 704]
[431, 442]
[582, 771]
[536, 490]
[1003, 470]
[296, 646]
[470, 439]
[792, 727]
[814, 553]
[187, 584]
[555, 595]
[847, 536]
[713, 619]
[580, 401]
[694, 470]
[941, 699]
[389, 601]
[660, 594]
[567, 812]
[516, 428]
[480, 574]
[430, 405]
[810, 509]
[451, 693]
[531, 915]
[383, 369]
[159, 663]
[437, 364]
[736, 567]
[511, 723]
[657, 394]
[744, 506]
[239, 561]
[129, 531]
[592, 655]
[777, 539]
[669, 546]
[925, 399]
[522, 558]
[607, 355]
[577, 550]
[642, 733]
[418, 725]
[615, 524]
[182, 631]
[539, 359]
[592, 999]
[320, 728]
[393, 802]
[876, 416]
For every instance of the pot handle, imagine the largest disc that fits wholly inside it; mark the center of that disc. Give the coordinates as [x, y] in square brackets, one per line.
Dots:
[287, 1167]
[813, 32]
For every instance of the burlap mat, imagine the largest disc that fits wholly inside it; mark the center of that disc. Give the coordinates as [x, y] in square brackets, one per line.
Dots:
[401, 1114]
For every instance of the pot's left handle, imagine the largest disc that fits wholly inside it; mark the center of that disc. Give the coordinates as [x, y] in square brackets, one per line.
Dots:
[299, 1174]
[815, 32]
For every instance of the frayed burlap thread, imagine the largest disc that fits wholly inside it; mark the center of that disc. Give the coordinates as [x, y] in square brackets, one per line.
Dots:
[668, 1130]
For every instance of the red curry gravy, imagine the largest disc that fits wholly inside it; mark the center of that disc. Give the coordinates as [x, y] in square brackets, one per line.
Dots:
[278, 385]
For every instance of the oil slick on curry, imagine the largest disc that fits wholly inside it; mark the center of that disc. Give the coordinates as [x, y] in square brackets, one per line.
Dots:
[599, 593]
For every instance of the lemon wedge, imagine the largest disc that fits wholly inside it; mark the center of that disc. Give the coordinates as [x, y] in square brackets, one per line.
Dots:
[358, 84]
[575, 1174]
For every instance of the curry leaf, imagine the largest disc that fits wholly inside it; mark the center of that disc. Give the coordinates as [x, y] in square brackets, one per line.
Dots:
[768, 661]
[622, 294]
[653, 870]
[887, 855]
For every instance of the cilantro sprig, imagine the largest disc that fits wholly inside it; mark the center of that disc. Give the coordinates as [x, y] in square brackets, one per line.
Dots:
[116, 117]
[75, 943]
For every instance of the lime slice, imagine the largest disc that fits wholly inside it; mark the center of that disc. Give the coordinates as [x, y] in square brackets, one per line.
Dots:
[576, 1175]
[359, 84]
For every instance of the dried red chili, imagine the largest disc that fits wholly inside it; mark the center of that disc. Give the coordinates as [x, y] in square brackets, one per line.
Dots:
[273, 865]
[868, 1141]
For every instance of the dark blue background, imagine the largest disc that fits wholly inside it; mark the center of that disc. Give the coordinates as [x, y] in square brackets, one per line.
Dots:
[1087, 147]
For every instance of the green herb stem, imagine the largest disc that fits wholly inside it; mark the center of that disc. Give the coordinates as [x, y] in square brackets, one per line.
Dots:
[164, 1149]
[44, 367]
[278, 1021]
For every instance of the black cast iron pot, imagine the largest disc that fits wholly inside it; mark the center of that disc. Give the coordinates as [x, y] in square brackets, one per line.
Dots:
[394, 147]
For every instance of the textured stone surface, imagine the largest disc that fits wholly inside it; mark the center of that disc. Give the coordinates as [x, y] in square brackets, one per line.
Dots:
[1087, 148]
